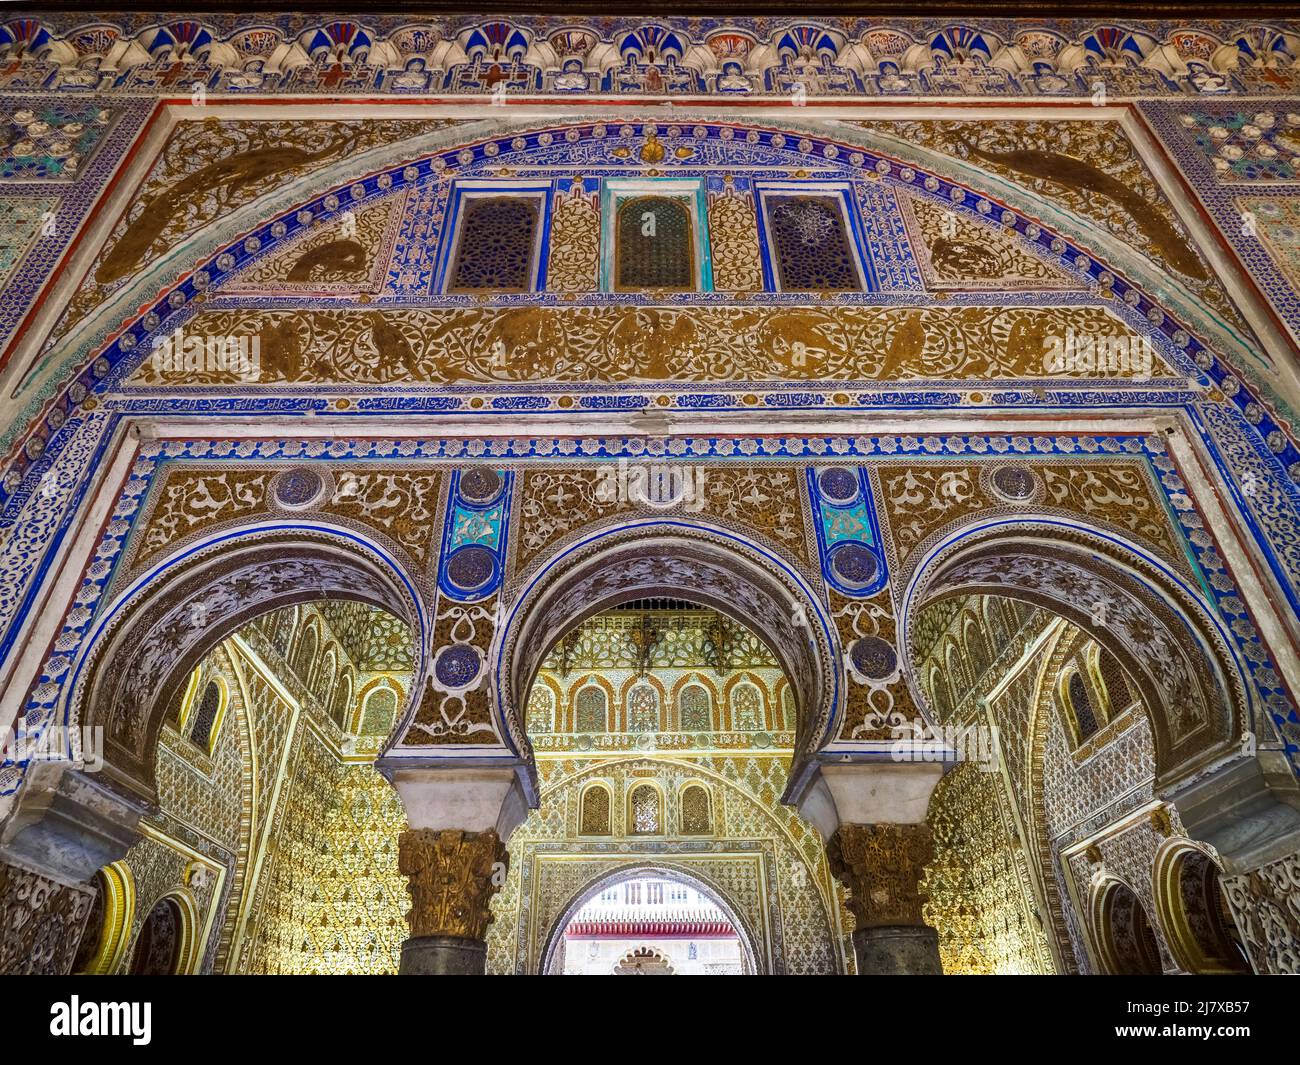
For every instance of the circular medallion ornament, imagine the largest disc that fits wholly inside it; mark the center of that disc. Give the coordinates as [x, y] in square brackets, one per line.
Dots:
[856, 566]
[470, 568]
[298, 488]
[873, 657]
[1014, 483]
[456, 666]
[480, 484]
[838, 484]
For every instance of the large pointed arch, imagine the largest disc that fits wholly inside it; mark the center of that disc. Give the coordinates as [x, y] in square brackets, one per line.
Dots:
[711, 566]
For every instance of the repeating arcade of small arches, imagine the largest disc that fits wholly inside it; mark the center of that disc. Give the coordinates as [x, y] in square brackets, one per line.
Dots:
[318, 661]
[968, 648]
[590, 703]
[645, 811]
[1191, 914]
[1092, 689]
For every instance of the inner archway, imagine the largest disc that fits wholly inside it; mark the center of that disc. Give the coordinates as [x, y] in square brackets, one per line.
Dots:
[649, 919]
[716, 569]
[663, 734]
[1124, 934]
[269, 752]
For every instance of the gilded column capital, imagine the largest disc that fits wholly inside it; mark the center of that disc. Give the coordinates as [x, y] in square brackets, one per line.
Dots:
[882, 866]
[453, 876]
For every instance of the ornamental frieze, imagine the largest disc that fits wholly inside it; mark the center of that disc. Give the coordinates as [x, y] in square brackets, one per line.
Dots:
[443, 346]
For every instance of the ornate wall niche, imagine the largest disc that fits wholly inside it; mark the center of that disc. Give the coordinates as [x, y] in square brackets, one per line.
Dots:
[595, 810]
[1122, 930]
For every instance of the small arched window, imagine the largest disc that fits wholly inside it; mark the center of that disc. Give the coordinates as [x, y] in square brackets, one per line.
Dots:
[1078, 704]
[594, 815]
[655, 245]
[325, 680]
[746, 707]
[956, 678]
[646, 811]
[696, 709]
[158, 945]
[940, 695]
[342, 712]
[643, 709]
[497, 245]
[592, 705]
[977, 652]
[304, 655]
[205, 716]
[1119, 696]
[697, 812]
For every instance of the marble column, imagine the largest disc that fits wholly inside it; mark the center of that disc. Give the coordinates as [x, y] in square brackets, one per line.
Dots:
[455, 858]
[882, 865]
[872, 816]
[453, 876]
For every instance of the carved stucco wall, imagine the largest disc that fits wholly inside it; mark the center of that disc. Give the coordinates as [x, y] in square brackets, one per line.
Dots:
[762, 859]
[334, 902]
[1036, 834]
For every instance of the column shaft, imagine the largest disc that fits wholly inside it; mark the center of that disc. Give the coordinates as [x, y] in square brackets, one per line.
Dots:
[882, 866]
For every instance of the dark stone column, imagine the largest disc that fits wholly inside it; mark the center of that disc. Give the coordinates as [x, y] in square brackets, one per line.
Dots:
[882, 866]
[443, 956]
[453, 876]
